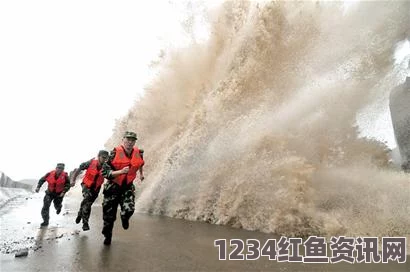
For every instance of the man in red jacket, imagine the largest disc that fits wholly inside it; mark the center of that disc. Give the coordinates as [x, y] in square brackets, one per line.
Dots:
[91, 185]
[124, 162]
[58, 184]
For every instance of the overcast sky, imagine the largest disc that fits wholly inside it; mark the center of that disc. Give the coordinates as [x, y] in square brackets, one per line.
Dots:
[68, 69]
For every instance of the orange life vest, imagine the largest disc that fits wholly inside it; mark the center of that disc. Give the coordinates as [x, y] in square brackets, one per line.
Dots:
[121, 160]
[56, 185]
[93, 176]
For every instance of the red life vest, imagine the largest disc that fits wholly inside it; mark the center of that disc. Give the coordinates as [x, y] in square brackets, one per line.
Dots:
[56, 185]
[93, 175]
[121, 160]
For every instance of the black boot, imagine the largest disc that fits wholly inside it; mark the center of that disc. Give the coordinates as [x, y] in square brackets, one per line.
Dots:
[86, 226]
[44, 224]
[107, 240]
[78, 219]
[125, 222]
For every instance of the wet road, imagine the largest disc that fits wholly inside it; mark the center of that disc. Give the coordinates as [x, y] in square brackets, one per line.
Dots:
[151, 243]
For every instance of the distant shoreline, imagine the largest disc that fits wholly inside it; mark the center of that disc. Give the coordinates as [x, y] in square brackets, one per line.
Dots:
[7, 182]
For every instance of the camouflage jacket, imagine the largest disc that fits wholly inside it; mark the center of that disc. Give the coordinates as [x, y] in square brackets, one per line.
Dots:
[85, 165]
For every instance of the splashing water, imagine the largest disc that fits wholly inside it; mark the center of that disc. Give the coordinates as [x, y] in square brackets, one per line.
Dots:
[256, 127]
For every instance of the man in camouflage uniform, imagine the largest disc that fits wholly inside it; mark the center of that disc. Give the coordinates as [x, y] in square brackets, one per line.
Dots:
[124, 162]
[91, 185]
[58, 184]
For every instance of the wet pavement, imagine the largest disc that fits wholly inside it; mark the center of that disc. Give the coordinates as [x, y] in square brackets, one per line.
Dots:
[151, 243]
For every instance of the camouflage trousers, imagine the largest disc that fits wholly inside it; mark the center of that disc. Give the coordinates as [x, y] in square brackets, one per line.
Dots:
[89, 196]
[115, 195]
[48, 198]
